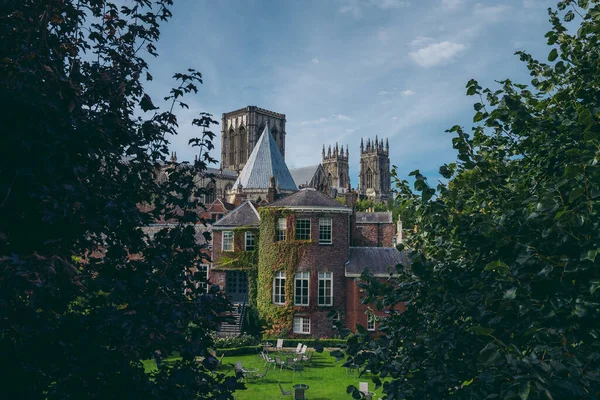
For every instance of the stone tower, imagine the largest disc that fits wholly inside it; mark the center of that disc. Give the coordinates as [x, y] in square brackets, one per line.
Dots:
[241, 129]
[375, 177]
[335, 164]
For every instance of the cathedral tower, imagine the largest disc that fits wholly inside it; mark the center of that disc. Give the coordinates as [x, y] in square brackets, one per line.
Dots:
[241, 129]
[335, 164]
[375, 177]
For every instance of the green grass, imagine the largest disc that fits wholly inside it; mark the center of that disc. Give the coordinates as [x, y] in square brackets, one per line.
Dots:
[326, 378]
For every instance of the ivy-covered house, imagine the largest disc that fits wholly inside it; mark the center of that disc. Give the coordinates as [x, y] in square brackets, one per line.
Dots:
[293, 260]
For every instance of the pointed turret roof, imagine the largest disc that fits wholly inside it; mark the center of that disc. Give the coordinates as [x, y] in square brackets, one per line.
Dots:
[264, 162]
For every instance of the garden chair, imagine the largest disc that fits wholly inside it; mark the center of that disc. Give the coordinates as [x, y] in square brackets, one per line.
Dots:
[295, 366]
[279, 363]
[261, 376]
[284, 392]
[298, 348]
[220, 362]
[238, 367]
[304, 348]
[363, 387]
[279, 345]
[308, 357]
[268, 360]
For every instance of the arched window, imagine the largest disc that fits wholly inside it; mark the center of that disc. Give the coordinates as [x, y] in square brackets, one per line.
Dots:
[228, 187]
[231, 147]
[242, 156]
[342, 182]
[369, 179]
[211, 193]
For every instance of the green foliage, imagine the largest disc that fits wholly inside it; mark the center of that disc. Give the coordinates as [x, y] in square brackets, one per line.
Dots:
[244, 260]
[238, 341]
[239, 351]
[368, 204]
[502, 294]
[85, 292]
[276, 256]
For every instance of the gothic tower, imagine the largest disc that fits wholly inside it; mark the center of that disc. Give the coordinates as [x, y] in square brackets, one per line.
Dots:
[375, 176]
[335, 164]
[241, 129]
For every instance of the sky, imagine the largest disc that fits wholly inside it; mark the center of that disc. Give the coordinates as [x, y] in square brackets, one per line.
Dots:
[342, 70]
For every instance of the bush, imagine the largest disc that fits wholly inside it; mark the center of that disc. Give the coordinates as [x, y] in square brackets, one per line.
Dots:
[238, 351]
[231, 342]
[337, 343]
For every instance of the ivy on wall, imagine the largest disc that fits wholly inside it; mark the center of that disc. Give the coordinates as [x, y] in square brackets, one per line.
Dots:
[272, 257]
[245, 261]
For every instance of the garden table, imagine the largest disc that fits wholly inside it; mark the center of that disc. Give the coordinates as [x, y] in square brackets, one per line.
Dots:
[299, 390]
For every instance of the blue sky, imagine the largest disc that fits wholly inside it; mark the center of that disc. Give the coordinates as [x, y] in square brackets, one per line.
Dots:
[345, 69]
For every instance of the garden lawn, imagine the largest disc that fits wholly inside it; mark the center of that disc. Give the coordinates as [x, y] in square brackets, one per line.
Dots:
[326, 378]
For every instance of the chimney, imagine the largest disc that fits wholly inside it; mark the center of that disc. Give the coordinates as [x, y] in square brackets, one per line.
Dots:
[239, 195]
[272, 191]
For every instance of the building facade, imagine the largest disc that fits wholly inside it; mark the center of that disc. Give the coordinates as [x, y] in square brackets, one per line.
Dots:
[375, 176]
[240, 131]
[335, 165]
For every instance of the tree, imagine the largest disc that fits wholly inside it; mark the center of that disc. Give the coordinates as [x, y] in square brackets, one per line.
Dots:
[503, 291]
[85, 293]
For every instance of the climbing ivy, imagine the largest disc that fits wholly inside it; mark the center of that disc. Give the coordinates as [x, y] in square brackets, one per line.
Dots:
[246, 261]
[272, 257]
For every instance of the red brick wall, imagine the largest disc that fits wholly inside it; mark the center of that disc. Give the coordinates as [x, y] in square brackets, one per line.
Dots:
[356, 311]
[323, 258]
[373, 235]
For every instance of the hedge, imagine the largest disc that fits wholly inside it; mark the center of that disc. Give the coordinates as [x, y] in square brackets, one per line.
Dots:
[239, 351]
[338, 343]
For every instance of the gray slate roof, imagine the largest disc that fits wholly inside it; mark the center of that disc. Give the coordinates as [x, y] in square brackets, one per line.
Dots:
[305, 175]
[243, 215]
[308, 197]
[221, 172]
[379, 260]
[380, 217]
[264, 162]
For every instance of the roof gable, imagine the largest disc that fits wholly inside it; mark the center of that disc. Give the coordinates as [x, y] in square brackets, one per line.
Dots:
[380, 261]
[309, 198]
[265, 162]
[243, 215]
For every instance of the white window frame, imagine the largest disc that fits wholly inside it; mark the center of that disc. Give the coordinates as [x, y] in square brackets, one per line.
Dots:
[281, 229]
[230, 239]
[204, 284]
[303, 230]
[371, 320]
[302, 278]
[279, 287]
[301, 325]
[325, 224]
[325, 276]
[249, 235]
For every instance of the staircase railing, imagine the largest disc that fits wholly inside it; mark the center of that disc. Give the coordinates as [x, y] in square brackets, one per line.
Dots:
[242, 311]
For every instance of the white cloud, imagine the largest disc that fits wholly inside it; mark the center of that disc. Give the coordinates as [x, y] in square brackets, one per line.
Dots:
[452, 4]
[387, 4]
[420, 41]
[491, 13]
[395, 118]
[325, 120]
[315, 60]
[436, 53]
[354, 7]
[406, 92]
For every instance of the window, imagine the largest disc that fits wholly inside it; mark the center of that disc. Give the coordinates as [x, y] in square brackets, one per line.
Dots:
[216, 216]
[303, 229]
[227, 241]
[279, 287]
[325, 230]
[325, 289]
[250, 241]
[301, 325]
[203, 271]
[281, 229]
[301, 289]
[335, 319]
[370, 322]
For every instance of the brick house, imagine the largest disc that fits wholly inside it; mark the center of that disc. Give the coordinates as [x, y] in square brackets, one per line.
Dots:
[300, 294]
